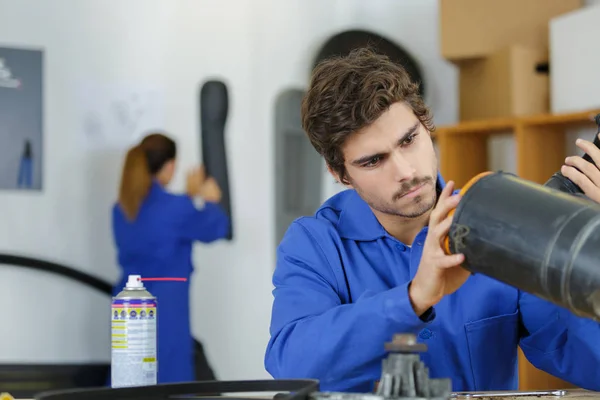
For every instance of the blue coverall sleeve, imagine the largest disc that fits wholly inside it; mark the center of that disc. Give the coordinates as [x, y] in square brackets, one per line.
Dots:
[314, 333]
[560, 343]
[205, 224]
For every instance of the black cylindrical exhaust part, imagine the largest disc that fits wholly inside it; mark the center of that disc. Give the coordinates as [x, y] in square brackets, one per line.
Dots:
[537, 239]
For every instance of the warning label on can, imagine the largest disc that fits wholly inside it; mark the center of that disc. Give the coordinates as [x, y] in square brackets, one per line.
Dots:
[133, 340]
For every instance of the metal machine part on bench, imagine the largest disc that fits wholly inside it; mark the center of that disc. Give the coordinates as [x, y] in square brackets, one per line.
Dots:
[403, 376]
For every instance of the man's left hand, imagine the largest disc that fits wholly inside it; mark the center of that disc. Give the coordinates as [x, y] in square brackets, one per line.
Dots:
[583, 173]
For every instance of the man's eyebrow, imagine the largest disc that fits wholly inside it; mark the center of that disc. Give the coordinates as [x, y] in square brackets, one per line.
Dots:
[409, 132]
[366, 159]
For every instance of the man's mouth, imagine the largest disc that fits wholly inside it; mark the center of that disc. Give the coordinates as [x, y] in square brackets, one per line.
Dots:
[415, 190]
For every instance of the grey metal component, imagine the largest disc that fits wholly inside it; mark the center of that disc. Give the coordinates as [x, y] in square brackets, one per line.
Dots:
[404, 376]
[299, 169]
[405, 343]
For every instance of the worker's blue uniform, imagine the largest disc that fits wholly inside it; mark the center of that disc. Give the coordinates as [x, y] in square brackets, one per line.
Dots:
[158, 244]
[341, 292]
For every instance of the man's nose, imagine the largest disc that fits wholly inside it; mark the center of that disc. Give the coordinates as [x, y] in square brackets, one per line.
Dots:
[403, 168]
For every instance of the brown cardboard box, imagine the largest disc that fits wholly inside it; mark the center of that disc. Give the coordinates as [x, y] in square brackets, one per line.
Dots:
[477, 28]
[505, 84]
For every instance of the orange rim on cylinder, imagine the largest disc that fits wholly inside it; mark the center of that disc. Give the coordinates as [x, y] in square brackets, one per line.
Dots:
[462, 192]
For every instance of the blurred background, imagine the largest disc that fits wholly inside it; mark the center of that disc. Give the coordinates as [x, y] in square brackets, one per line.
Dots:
[511, 84]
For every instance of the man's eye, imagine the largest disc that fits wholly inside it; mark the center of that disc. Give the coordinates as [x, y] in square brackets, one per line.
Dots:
[409, 139]
[373, 161]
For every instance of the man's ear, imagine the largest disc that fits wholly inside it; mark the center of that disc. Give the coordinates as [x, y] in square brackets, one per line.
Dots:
[338, 178]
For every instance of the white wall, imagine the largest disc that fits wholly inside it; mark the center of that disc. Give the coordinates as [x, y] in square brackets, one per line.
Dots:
[574, 83]
[574, 80]
[260, 48]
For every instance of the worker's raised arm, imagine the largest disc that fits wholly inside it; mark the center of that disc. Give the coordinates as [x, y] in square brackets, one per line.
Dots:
[315, 331]
[560, 343]
[205, 222]
[200, 216]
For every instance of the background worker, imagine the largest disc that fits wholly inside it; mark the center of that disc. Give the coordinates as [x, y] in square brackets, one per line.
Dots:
[154, 231]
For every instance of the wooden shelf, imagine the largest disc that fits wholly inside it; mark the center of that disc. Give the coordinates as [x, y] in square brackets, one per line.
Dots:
[541, 149]
[540, 144]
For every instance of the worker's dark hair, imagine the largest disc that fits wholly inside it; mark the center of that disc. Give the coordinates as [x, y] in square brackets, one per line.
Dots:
[348, 93]
[142, 163]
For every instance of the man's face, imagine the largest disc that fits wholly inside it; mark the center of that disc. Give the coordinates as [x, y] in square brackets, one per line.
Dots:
[392, 164]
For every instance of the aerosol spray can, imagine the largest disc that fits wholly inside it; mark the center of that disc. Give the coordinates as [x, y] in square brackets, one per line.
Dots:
[134, 356]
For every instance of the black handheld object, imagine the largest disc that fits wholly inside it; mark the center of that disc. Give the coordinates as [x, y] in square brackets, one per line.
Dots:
[537, 239]
[214, 105]
[560, 182]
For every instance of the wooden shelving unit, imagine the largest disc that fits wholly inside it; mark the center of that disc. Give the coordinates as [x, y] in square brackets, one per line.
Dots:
[540, 144]
[541, 149]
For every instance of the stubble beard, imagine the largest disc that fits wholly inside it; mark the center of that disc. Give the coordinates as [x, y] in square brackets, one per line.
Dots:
[419, 205]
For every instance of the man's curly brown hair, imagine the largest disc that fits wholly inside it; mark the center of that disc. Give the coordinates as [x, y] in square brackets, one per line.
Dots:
[349, 93]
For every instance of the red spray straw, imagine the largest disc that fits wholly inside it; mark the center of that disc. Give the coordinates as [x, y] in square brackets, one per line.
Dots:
[165, 279]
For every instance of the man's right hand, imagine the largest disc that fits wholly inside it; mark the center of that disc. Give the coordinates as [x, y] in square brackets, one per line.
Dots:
[438, 274]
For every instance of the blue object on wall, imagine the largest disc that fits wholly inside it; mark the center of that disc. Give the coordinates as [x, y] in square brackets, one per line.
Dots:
[25, 178]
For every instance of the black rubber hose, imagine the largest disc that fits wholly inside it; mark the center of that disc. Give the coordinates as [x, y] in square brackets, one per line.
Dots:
[58, 269]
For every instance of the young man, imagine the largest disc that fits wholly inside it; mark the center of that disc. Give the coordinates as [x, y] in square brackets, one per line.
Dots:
[370, 263]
